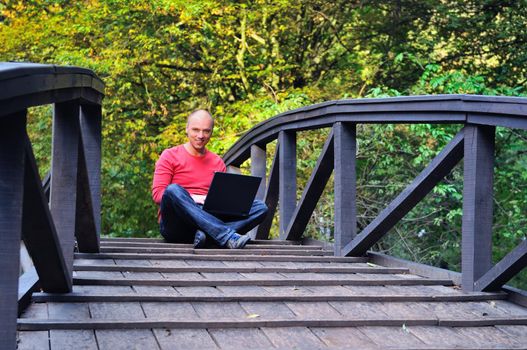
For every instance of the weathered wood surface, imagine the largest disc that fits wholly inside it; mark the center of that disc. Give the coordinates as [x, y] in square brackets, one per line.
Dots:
[314, 188]
[287, 179]
[12, 143]
[345, 149]
[233, 304]
[461, 109]
[64, 162]
[39, 233]
[438, 168]
[476, 247]
[88, 218]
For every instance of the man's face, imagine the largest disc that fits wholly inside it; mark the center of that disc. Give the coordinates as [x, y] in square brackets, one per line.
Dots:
[199, 131]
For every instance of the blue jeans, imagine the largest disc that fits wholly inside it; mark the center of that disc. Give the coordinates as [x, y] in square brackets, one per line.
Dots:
[181, 217]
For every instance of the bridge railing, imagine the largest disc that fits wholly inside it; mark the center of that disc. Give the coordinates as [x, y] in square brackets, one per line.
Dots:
[478, 116]
[49, 229]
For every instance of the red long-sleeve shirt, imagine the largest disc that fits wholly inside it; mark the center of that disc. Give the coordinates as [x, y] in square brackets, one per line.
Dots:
[193, 173]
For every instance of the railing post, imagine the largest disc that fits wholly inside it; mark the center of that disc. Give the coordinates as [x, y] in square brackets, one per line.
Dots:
[258, 168]
[63, 194]
[12, 142]
[345, 148]
[476, 256]
[287, 178]
[88, 213]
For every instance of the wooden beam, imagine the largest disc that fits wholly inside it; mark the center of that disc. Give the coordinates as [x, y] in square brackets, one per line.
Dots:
[503, 271]
[12, 140]
[258, 168]
[27, 284]
[270, 197]
[476, 253]
[287, 176]
[345, 185]
[438, 168]
[38, 231]
[88, 211]
[227, 257]
[63, 195]
[314, 188]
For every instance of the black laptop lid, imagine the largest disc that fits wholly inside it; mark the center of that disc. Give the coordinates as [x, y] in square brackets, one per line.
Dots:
[231, 194]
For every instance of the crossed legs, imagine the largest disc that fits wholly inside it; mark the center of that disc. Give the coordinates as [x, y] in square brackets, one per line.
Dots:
[182, 217]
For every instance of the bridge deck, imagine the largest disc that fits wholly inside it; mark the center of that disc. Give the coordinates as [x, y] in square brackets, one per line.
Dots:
[144, 294]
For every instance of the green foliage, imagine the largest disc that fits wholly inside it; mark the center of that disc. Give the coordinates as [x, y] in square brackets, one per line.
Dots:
[249, 61]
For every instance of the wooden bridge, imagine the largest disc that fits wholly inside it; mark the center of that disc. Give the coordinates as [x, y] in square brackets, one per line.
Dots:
[93, 293]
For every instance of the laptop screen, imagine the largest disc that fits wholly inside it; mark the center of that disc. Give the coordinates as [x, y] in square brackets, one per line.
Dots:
[231, 194]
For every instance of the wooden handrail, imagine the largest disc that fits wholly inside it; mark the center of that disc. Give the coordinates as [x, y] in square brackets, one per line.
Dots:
[47, 226]
[477, 115]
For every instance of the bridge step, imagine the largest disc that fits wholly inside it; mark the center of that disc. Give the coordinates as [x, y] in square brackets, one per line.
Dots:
[169, 322]
[226, 255]
[169, 296]
[153, 295]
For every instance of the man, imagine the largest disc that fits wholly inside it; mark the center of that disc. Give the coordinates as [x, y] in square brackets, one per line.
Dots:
[181, 182]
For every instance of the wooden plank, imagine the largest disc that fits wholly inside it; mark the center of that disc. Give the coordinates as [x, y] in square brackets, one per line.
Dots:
[36, 324]
[125, 340]
[38, 340]
[203, 291]
[488, 337]
[503, 271]
[246, 267]
[250, 245]
[313, 252]
[476, 242]
[88, 211]
[258, 282]
[446, 337]
[116, 311]
[287, 179]
[413, 267]
[219, 258]
[314, 188]
[68, 311]
[12, 142]
[103, 290]
[239, 293]
[345, 185]
[314, 310]
[344, 338]
[39, 233]
[293, 338]
[183, 311]
[64, 162]
[36, 310]
[158, 240]
[81, 339]
[266, 310]
[516, 332]
[438, 168]
[240, 338]
[392, 337]
[27, 284]
[249, 293]
[258, 168]
[218, 311]
[184, 339]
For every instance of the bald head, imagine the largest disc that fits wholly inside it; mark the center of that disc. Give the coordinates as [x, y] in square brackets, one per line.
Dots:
[200, 114]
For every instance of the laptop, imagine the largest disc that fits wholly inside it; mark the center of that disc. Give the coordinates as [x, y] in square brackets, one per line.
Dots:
[231, 194]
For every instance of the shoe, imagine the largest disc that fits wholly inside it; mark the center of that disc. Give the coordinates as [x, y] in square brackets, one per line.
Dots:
[238, 241]
[199, 239]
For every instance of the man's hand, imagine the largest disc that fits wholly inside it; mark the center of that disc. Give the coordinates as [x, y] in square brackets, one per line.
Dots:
[199, 198]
